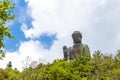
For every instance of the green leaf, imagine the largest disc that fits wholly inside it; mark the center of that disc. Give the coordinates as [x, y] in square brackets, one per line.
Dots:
[6, 15]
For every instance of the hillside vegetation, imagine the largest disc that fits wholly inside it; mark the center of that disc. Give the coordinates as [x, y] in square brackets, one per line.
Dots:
[99, 67]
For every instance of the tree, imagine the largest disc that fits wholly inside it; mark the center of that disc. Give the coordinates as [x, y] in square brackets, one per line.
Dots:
[26, 62]
[13, 74]
[3, 74]
[9, 65]
[6, 15]
[98, 67]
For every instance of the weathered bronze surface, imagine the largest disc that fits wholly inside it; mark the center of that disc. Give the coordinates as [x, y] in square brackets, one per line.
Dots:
[77, 48]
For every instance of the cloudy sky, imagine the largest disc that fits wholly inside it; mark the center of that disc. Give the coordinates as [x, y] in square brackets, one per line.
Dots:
[43, 27]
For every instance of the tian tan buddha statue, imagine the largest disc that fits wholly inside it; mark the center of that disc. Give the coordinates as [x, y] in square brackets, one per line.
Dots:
[78, 48]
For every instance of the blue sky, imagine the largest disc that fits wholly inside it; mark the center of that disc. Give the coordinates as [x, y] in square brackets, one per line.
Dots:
[42, 27]
[13, 44]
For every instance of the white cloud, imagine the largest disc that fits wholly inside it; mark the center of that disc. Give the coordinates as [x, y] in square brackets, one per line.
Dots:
[26, 49]
[98, 21]
[33, 49]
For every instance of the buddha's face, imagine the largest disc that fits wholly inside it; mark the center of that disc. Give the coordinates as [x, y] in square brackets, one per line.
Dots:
[77, 39]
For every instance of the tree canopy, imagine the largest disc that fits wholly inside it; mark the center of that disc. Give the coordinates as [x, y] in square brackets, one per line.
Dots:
[6, 15]
[99, 67]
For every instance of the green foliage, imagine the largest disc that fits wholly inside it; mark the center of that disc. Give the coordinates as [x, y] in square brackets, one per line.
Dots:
[9, 74]
[3, 74]
[14, 74]
[6, 15]
[99, 67]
